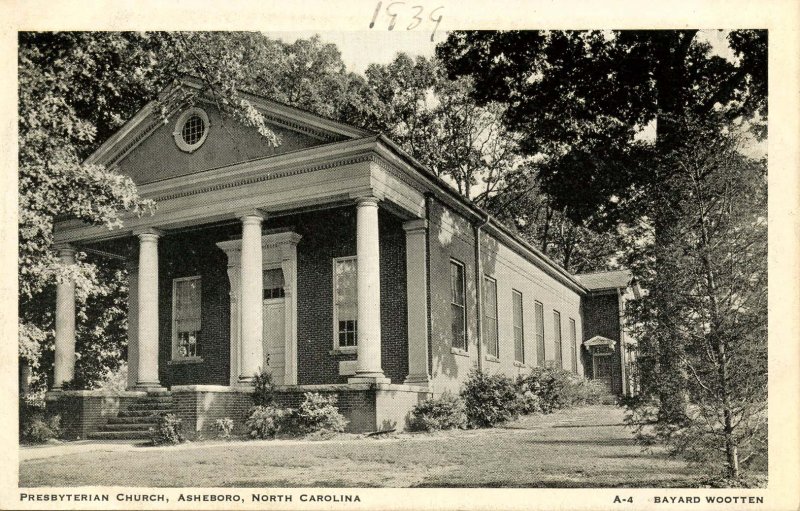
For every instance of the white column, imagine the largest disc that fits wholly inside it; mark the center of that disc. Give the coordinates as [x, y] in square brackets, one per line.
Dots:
[368, 292]
[417, 302]
[133, 324]
[65, 323]
[148, 310]
[252, 349]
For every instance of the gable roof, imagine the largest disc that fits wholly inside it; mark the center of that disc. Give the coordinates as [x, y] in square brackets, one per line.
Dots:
[146, 120]
[605, 280]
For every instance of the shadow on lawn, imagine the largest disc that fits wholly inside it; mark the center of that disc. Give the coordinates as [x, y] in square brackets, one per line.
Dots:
[608, 442]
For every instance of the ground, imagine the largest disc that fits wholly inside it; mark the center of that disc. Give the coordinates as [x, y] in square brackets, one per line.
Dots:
[584, 447]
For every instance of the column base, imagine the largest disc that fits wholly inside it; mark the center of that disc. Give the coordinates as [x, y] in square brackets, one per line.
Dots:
[369, 378]
[417, 379]
[154, 387]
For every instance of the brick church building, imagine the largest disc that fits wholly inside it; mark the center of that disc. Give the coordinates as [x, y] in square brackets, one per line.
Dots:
[335, 261]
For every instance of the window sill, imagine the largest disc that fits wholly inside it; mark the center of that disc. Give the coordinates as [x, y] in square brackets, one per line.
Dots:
[459, 352]
[344, 351]
[491, 358]
[521, 365]
[187, 360]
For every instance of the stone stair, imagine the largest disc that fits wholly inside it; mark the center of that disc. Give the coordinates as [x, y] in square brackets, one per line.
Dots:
[134, 422]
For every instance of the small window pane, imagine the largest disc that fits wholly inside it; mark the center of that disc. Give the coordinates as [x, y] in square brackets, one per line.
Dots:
[519, 334]
[557, 338]
[573, 345]
[274, 284]
[457, 306]
[345, 301]
[186, 316]
[540, 355]
[490, 316]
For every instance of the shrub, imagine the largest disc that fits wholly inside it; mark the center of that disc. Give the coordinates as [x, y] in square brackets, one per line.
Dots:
[558, 388]
[264, 389]
[223, 427]
[265, 421]
[40, 428]
[490, 399]
[444, 412]
[168, 430]
[318, 413]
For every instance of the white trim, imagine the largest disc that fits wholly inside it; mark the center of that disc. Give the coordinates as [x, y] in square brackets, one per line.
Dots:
[177, 133]
[174, 352]
[336, 347]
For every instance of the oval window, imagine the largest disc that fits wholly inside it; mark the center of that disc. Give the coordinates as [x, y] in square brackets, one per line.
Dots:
[191, 129]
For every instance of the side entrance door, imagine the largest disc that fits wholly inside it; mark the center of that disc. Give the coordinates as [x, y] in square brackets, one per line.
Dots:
[602, 369]
[275, 324]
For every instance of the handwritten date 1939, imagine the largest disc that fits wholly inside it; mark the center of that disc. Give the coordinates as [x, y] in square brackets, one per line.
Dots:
[395, 11]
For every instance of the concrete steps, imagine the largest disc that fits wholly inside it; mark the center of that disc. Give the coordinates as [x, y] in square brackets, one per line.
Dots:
[135, 422]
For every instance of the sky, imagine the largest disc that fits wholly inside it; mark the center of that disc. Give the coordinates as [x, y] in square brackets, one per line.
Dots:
[364, 47]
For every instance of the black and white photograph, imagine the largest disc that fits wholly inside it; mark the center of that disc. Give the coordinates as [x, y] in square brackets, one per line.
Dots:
[304, 265]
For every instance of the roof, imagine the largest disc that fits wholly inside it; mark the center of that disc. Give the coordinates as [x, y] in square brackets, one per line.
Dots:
[134, 131]
[599, 281]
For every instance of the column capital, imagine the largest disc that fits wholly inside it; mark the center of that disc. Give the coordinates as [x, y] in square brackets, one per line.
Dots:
[367, 200]
[148, 233]
[65, 250]
[250, 216]
[415, 225]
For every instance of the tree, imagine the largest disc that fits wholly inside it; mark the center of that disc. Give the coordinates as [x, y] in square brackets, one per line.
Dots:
[438, 121]
[75, 90]
[712, 263]
[582, 99]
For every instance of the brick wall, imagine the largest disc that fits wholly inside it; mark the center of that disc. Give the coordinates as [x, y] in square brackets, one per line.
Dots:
[326, 235]
[601, 317]
[186, 255]
[450, 237]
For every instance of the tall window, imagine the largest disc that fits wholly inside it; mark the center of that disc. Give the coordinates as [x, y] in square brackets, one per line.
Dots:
[490, 316]
[573, 345]
[458, 310]
[273, 284]
[539, 311]
[519, 333]
[557, 337]
[185, 317]
[345, 302]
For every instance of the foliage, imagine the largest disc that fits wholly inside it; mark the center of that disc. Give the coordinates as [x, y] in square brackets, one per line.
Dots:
[702, 327]
[439, 123]
[263, 389]
[490, 399]
[266, 421]
[223, 427]
[36, 426]
[115, 381]
[445, 412]
[318, 413]
[168, 430]
[75, 90]
[551, 389]
[582, 101]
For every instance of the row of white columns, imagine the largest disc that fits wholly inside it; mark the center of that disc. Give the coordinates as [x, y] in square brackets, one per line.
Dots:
[368, 368]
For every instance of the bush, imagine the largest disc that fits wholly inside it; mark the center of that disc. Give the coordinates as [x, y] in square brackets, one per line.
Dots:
[444, 412]
[39, 428]
[168, 430]
[557, 388]
[223, 427]
[264, 389]
[490, 399]
[265, 421]
[318, 413]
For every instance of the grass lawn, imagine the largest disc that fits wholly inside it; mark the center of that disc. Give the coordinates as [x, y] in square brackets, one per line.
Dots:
[585, 447]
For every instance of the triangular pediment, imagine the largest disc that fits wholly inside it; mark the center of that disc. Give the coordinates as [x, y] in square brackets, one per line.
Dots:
[148, 148]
